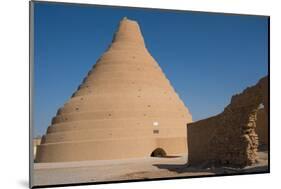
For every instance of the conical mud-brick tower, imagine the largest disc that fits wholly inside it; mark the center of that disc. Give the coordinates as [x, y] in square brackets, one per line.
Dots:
[125, 108]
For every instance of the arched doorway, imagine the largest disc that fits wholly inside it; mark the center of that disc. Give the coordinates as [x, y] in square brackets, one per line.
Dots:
[158, 152]
[262, 128]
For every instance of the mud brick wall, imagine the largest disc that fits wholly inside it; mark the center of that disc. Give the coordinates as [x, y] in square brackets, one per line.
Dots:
[229, 138]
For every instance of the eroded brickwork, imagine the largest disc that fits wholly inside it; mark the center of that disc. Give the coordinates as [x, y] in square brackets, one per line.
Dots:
[229, 138]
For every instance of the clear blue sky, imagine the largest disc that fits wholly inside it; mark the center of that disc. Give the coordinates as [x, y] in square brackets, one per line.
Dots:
[207, 57]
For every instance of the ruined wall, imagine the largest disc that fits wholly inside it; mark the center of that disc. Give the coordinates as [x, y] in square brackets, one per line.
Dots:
[229, 138]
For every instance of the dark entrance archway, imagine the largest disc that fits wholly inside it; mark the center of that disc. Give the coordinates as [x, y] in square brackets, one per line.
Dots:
[158, 152]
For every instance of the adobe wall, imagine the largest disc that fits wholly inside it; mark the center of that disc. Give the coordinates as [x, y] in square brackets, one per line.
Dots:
[229, 138]
[119, 148]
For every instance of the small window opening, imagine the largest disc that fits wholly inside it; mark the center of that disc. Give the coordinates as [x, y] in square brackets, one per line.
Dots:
[156, 131]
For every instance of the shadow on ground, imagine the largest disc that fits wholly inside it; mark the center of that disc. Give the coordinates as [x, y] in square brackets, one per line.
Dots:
[185, 168]
[260, 167]
[170, 157]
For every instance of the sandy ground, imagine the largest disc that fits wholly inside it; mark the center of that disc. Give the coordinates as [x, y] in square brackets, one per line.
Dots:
[130, 169]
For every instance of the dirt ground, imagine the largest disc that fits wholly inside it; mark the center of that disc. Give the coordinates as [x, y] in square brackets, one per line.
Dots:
[130, 169]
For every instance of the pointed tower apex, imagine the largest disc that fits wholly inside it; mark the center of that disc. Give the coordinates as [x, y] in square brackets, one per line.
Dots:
[129, 33]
